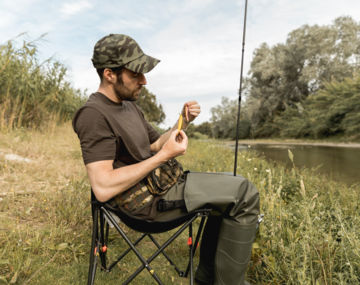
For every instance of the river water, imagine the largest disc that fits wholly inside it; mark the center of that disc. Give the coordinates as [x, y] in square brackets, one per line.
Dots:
[337, 163]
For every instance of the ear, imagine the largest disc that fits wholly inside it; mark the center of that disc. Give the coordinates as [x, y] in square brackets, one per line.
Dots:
[109, 75]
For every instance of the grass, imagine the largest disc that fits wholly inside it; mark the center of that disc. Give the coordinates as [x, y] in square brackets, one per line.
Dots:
[310, 234]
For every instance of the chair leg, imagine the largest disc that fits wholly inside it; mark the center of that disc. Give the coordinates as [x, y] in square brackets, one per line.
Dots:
[103, 245]
[137, 253]
[100, 238]
[195, 244]
[180, 273]
[94, 248]
[156, 253]
[190, 243]
[125, 253]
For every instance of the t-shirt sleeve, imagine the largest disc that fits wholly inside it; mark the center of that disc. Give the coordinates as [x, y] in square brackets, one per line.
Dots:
[153, 134]
[96, 138]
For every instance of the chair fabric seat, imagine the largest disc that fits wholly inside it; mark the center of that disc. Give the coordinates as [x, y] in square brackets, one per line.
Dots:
[152, 227]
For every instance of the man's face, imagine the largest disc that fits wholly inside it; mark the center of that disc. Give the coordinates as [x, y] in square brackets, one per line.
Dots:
[128, 85]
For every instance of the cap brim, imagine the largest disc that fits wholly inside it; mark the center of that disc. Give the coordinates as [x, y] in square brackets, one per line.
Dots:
[142, 64]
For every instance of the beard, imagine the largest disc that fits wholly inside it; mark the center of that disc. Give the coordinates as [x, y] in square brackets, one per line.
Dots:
[124, 93]
[127, 94]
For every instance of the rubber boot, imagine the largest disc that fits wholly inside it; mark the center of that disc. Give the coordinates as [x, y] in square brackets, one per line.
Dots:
[205, 271]
[233, 252]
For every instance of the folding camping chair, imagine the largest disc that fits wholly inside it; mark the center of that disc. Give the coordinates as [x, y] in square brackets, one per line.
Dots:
[103, 217]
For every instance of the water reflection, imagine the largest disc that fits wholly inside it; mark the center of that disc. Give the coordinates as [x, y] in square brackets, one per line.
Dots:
[338, 163]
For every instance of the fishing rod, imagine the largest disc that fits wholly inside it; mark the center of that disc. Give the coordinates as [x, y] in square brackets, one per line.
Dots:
[240, 90]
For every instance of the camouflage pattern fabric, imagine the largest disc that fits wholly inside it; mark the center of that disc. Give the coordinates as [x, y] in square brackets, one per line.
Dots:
[161, 179]
[136, 197]
[158, 182]
[117, 50]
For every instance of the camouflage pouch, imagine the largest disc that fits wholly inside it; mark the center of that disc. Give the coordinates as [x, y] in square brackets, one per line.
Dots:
[134, 198]
[158, 182]
[161, 179]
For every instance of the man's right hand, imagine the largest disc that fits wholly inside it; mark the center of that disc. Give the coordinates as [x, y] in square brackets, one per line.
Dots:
[176, 145]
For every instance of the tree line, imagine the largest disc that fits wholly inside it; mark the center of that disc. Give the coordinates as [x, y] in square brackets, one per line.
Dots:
[307, 87]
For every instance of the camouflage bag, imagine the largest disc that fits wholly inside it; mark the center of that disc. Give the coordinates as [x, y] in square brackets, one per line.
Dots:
[135, 198]
[156, 183]
[161, 179]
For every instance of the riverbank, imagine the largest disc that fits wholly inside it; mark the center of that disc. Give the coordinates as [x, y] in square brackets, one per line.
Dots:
[294, 142]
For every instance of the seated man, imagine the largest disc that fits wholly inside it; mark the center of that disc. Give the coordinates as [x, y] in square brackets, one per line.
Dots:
[120, 148]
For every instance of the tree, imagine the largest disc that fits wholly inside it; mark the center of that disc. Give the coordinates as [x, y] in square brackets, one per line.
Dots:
[152, 110]
[284, 75]
[224, 119]
[333, 110]
[341, 100]
[204, 128]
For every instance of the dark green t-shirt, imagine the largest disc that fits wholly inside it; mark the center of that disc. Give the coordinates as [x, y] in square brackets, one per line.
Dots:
[113, 131]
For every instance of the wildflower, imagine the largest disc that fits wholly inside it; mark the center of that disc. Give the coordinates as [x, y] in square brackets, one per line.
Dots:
[268, 170]
[255, 169]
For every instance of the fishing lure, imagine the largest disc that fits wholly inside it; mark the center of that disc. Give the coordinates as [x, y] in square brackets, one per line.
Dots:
[180, 122]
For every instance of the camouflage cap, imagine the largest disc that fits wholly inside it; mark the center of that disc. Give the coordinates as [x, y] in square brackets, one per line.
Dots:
[116, 50]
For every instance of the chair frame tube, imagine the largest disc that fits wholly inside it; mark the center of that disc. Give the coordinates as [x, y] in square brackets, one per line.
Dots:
[100, 239]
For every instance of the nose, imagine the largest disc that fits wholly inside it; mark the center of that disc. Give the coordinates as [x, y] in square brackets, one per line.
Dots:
[142, 79]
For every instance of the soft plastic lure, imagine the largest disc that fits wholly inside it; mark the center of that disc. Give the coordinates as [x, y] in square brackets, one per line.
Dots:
[180, 122]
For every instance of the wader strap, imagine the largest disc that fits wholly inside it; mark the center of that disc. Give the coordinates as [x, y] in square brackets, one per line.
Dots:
[164, 205]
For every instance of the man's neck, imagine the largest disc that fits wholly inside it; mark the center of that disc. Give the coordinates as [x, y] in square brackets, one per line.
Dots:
[109, 93]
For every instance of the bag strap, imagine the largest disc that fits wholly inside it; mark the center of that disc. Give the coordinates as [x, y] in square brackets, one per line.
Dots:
[164, 205]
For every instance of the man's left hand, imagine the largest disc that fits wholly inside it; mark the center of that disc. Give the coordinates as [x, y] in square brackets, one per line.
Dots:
[190, 111]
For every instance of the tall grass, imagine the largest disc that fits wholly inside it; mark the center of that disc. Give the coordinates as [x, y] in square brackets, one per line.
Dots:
[311, 230]
[310, 234]
[33, 93]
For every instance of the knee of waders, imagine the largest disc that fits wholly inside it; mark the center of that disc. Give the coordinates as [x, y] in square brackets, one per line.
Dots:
[249, 198]
[247, 207]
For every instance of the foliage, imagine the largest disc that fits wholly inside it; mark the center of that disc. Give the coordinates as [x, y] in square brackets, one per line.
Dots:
[283, 76]
[310, 233]
[204, 128]
[32, 94]
[152, 110]
[201, 131]
[332, 111]
[224, 120]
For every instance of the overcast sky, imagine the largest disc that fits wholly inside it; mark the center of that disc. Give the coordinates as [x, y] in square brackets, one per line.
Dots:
[197, 41]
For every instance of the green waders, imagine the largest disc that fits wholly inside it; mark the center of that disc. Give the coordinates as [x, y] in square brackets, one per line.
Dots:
[229, 233]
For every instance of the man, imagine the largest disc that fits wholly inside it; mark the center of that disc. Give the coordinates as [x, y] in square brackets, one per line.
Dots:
[120, 149]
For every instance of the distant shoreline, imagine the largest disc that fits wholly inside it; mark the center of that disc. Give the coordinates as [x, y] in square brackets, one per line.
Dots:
[295, 142]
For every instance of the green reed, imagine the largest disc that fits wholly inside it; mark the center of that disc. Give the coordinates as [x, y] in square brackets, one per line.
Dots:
[33, 93]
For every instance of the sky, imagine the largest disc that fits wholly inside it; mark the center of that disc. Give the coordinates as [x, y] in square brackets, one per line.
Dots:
[199, 42]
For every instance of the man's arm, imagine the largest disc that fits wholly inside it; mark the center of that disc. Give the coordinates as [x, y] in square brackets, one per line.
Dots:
[107, 182]
[189, 112]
